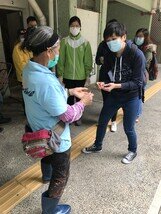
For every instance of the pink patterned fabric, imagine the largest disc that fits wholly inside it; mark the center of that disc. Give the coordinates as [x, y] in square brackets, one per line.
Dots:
[73, 113]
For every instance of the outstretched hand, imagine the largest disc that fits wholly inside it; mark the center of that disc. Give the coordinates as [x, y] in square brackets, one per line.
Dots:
[78, 92]
[100, 85]
[108, 87]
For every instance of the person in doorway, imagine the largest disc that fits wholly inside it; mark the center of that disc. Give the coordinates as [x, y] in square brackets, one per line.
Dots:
[75, 62]
[20, 56]
[123, 84]
[31, 22]
[101, 52]
[46, 104]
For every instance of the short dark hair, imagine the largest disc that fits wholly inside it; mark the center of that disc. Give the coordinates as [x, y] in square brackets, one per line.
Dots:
[143, 30]
[30, 19]
[74, 19]
[114, 28]
[111, 21]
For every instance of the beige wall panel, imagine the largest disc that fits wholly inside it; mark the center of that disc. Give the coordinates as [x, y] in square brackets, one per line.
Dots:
[90, 21]
[15, 3]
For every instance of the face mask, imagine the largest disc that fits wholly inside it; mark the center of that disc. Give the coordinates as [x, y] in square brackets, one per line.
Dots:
[53, 62]
[139, 40]
[22, 39]
[74, 30]
[115, 45]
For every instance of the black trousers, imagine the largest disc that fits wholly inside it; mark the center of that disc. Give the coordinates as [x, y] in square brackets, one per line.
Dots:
[73, 84]
[61, 164]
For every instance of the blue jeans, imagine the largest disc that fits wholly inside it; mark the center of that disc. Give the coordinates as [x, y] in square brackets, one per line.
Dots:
[130, 111]
[140, 109]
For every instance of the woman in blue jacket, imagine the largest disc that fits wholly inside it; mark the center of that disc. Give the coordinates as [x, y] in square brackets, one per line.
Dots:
[46, 104]
[122, 83]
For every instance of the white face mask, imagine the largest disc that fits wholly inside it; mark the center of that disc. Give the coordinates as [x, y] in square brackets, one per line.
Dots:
[74, 30]
[22, 39]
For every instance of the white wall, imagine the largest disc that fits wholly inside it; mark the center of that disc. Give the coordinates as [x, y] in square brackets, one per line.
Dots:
[143, 5]
[14, 4]
[89, 30]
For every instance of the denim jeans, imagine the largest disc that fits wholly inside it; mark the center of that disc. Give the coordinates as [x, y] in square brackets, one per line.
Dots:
[130, 110]
[140, 109]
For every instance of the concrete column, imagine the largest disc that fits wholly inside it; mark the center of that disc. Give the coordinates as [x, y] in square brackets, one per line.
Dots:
[101, 7]
[150, 23]
[103, 18]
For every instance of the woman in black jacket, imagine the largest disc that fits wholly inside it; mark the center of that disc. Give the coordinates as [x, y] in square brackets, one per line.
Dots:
[122, 81]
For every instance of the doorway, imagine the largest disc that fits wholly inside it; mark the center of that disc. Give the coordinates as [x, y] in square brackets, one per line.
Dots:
[10, 22]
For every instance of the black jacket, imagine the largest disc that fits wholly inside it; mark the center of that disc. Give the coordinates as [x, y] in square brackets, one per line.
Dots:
[127, 70]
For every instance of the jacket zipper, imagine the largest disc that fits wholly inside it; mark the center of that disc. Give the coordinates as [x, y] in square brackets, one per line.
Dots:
[74, 63]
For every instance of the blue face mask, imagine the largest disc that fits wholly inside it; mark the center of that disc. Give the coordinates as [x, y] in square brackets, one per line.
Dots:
[115, 45]
[139, 40]
[53, 62]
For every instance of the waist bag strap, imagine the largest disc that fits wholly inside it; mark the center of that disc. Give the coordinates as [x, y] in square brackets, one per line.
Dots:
[59, 127]
[55, 140]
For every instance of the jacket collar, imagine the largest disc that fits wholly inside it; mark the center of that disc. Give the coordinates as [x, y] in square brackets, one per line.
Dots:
[74, 37]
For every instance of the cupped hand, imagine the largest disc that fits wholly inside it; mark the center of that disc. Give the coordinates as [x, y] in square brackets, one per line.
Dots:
[78, 92]
[87, 98]
[100, 85]
[109, 87]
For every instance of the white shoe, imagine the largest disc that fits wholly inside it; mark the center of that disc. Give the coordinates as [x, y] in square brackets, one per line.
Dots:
[137, 120]
[113, 127]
